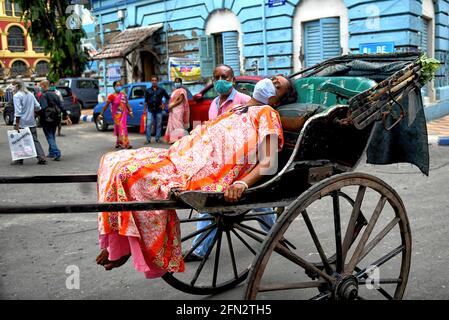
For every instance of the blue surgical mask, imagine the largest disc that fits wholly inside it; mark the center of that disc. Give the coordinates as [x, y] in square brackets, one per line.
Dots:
[264, 90]
[178, 85]
[117, 89]
[223, 86]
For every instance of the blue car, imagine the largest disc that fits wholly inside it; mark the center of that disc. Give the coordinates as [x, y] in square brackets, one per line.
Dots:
[136, 98]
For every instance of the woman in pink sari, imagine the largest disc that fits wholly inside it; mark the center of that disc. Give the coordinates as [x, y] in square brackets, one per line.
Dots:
[178, 119]
[120, 110]
[222, 155]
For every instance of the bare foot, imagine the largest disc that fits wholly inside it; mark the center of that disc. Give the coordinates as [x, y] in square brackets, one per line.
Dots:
[116, 263]
[102, 258]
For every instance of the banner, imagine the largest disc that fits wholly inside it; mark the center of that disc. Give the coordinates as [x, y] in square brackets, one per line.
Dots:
[186, 69]
[114, 72]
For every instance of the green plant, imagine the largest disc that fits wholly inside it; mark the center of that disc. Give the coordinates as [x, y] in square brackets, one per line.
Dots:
[429, 66]
[46, 21]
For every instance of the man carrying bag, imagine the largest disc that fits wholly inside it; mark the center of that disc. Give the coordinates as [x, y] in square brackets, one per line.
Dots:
[25, 105]
[51, 117]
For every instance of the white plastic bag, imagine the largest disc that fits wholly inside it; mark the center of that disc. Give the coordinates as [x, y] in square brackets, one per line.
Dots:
[21, 144]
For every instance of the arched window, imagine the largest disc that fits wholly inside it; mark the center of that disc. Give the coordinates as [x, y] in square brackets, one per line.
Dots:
[42, 68]
[16, 40]
[19, 68]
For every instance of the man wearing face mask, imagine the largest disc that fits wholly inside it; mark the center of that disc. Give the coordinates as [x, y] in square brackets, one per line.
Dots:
[265, 93]
[228, 96]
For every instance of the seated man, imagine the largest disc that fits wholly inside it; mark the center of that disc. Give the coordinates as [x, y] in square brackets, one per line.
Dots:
[228, 154]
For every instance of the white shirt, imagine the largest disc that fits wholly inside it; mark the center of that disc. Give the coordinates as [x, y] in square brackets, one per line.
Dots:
[25, 104]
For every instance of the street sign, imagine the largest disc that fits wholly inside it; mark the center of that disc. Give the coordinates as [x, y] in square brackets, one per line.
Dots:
[377, 47]
[276, 3]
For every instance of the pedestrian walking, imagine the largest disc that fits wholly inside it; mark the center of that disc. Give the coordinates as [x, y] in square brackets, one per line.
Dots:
[51, 117]
[153, 107]
[25, 107]
[59, 94]
[120, 109]
[179, 114]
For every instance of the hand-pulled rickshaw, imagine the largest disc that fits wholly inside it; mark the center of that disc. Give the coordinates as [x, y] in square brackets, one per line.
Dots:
[339, 234]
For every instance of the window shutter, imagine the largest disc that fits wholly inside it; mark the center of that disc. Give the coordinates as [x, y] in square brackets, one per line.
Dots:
[312, 43]
[330, 30]
[425, 48]
[231, 52]
[425, 36]
[321, 40]
[207, 56]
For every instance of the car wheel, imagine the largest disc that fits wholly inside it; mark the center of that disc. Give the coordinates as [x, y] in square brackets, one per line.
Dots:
[100, 124]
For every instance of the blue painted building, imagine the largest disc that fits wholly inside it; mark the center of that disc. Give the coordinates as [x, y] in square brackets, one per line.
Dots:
[272, 36]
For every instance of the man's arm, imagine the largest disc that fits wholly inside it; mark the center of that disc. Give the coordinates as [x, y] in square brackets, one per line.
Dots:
[18, 110]
[145, 105]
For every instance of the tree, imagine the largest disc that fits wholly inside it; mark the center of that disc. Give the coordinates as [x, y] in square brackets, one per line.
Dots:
[46, 21]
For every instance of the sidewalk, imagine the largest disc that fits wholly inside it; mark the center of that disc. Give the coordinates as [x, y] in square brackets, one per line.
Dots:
[438, 131]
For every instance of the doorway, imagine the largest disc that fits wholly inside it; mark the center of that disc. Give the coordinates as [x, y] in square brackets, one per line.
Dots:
[148, 65]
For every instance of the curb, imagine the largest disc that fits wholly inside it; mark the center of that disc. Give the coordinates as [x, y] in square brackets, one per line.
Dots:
[438, 140]
[87, 118]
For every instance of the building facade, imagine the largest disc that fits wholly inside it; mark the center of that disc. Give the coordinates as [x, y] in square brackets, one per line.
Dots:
[19, 54]
[276, 37]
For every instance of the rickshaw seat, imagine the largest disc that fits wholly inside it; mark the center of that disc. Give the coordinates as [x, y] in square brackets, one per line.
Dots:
[329, 91]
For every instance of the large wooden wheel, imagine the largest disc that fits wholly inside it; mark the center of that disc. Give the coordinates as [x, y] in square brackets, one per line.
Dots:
[357, 249]
[236, 238]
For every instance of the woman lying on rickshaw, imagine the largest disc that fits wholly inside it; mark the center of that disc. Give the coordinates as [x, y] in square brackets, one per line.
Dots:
[228, 154]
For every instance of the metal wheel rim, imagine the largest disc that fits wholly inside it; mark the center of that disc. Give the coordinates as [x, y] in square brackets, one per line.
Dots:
[307, 198]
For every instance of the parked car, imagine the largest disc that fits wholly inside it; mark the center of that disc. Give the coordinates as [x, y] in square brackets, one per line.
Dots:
[85, 90]
[70, 104]
[199, 103]
[136, 98]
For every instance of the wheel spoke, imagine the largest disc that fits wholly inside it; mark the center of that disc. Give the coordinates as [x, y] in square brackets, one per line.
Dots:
[243, 228]
[206, 256]
[263, 233]
[195, 220]
[337, 229]
[383, 281]
[231, 250]
[200, 241]
[244, 242]
[352, 221]
[361, 245]
[381, 261]
[190, 214]
[217, 259]
[211, 226]
[322, 296]
[301, 262]
[292, 286]
[379, 238]
[317, 242]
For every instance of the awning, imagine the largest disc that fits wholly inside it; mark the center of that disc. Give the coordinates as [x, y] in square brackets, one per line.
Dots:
[125, 42]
